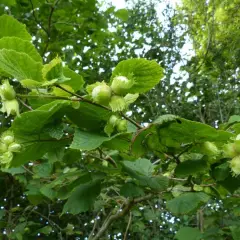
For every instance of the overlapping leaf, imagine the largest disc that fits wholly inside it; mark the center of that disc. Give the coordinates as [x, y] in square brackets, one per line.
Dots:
[33, 121]
[187, 202]
[82, 198]
[142, 170]
[145, 73]
[20, 65]
[20, 45]
[10, 27]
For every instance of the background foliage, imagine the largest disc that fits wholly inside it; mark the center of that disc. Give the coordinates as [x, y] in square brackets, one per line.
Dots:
[170, 185]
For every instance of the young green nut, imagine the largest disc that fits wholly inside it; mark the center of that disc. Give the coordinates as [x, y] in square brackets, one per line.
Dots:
[6, 91]
[102, 94]
[8, 139]
[10, 107]
[14, 147]
[114, 120]
[232, 150]
[105, 163]
[121, 85]
[235, 165]
[122, 126]
[153, 142]
[117, 104]
[210, 149]
[3, 147]
[6, 158]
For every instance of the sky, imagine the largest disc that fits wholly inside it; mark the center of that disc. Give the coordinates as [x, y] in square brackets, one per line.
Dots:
[187, 49]
[121, 3]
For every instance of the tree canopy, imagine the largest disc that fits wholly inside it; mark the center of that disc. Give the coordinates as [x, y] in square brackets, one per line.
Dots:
[112, 127]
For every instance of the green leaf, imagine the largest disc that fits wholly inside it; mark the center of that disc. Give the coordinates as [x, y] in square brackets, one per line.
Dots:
[88, 140]
[65, 191]
[191, 167]
[188, 233]
[20, 45]
[140, 166]
[109, 129]
[165, 118]
[180, 189]
[32, 122]
[235, 230]
[120, 143]
[8, 2]
[142, 171]
[72, 155]
[20, 65]
[76, 81]
[14, 171]
[122, 14]
[2, 213]
[35, 199]
[10, 27]
[131, 98]
[69, 229]
[234, 118]
[89, 117]
[56, 131]
[54, 70]
[187, 202]
[149, 214]
[139, 143]
[186, 131]
[56, 155]
[20, 227]
[158, 183]
[43, 170]
[33, 191]
[145, 73]
[45, 230]
[131, 190]
[212, 233]
[35, 149]
[82, 198]
[231, 183]
[236, 211]
[29, 83]
[221, 172]
[48, 192]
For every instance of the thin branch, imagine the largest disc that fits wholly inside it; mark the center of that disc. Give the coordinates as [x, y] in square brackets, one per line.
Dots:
[49, 26]
[99, 105]
[27, 170]
[49, 96]
[103, 159]
[175, 158]
[185, 150]
[178, 179]
[35, 18]
[50, 140]
[150, 104]
[129, 204]
[208, 185]
[107, 157]
[200, 219]
[49, 220]
[82, 98]
[94, 226]
[132, 121]
[157, 161]
[128, 226]
[24, 104]
[10, 208]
